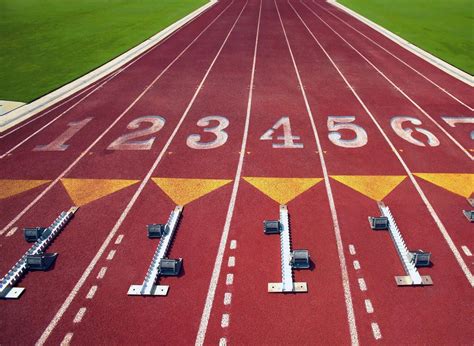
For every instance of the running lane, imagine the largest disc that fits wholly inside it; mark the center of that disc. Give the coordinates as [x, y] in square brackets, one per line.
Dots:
[433, 102]
[383, 310]
[453, 85]
[243, 310]
[94, 121]
[82, 239]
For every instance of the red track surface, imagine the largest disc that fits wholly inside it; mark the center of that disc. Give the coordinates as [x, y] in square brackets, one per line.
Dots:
[207, 68]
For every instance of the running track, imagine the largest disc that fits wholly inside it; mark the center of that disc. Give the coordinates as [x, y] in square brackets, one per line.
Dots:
[310, 71]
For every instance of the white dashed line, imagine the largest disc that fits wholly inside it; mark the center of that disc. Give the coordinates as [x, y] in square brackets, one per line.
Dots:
[227, 298]
[11, 232]
[91, 292]
[368, 306]
[67, 339]
[376, 331]
[111, 255]
[119, 239]
[80, 314]
[464, 248]
[362, 285]
[233, 244]
[231, 262]
[225, 320]
[356, 265]
[101, 273]
[352, 249]
[223, 342]
[229, 280]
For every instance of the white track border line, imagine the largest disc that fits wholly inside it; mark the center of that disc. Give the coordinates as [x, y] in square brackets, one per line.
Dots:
[129, 63]
[396, 57]
[24, 112]
[332, 205]
[437, 62]
[55, 181]
[428, 205]
[201, 334]
[59, 314]
[459, 145]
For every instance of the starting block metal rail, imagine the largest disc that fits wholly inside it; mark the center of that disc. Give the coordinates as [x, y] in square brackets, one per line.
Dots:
[33, 258]
[469, 214]
[413, 277]
[287, 283]
[149, 287]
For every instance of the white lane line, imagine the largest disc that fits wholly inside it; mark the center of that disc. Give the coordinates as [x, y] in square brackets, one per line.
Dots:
[362, 284]
[225, 320]
[111, 76]
[11, 232]
[201, 335]
[352, 249]
[91, 292]
[441, 128]
[231, 262]
[428, 205]
[332, 205]
[69, 168]
[233, 244]
[59, 314]
[223, 342]
[368, 306]
[466, 250]
[227, 298]
[111, 255]
[356, 265]
[229, 280]
[80, 315]
[396, 57]
[119, 239]
[67, 339]
[376, 331]
[102, 272]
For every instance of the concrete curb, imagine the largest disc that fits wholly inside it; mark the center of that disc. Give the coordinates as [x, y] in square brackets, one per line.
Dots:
[27, 111]
[441, 64]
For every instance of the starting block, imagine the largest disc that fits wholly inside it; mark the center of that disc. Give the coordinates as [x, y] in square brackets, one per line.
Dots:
[297, 259]
[411, 260]
[155, 230]
[34, 258]
[33, 234]
[160, 265]
[469, 214]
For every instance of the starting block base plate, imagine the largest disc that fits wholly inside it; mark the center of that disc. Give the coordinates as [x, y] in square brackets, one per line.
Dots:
[157, 290]
[407, 281]
[14, 293]
[277, 287]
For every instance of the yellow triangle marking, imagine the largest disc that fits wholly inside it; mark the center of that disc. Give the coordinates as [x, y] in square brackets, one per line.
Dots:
[83, 191]
[461, 184]
[183, 191]
[282, 190]
[376, 187]
[11, 187]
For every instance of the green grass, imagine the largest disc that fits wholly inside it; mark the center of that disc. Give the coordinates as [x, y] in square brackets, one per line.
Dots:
[47, 43]
[445, 28]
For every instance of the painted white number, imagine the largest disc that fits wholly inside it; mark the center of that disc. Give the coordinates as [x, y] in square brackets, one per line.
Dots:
[194, 141]
[336, 123]
[287, 138]
[125, 142]
[452, 121]
[407, 134]
[59, 143]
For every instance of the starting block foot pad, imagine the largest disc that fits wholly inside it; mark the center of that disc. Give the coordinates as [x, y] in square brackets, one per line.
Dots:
[13, 293]
[277, 287]
[407, 281]
[157, 290]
